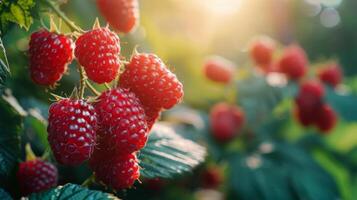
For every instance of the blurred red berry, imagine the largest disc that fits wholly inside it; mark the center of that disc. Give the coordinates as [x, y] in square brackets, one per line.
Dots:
[122, 15]
[148, 77]
[293, 63]
[98, 52]
[119, 171]
[331, 75]
[211, 178]
[219, 69]
[152, 115]
[226, 121]
[262, 51]
[72, 126]
[50, 53]
[36, 176]
[305, 117]
[310, 95]
[122, 125]
[326, 118]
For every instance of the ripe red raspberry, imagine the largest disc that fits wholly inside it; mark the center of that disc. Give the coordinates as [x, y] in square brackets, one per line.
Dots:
[36, 176]
[50, 53]
[123, 128]
[98, 52]
[72, 126]
[305, 117]
[325, 118]
[262, 50]
[122, 15]
[118, 171]
[310, 95]
[152, 115]
[211, 178]
[226, 121]
[219, 69]
[331, 75]
[293, 62]
[147, 76]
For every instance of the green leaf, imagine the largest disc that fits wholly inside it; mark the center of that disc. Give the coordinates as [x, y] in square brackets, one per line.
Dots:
[343, 103]
[4, 66]
[71, 192]
[258, 99]
[4, 195]
[17, 11]
[280, 171]
[11, 124]
[167, 154]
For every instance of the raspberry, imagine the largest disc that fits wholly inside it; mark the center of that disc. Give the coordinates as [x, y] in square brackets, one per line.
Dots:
[122, 15]
[305, 117]
[123, 127]
[35, 176]
[326, 118]
[293, 62]
[152, 115]
[50, 53]
[211, 178]
[262, 50]
[226, 121]
[98, 52]
[331, 75]
[72, 126]
[219, 69]
[147, 76]
[119, 171]
[310, 95]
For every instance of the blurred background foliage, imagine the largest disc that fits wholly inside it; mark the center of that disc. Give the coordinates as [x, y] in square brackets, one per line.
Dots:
[183, 34]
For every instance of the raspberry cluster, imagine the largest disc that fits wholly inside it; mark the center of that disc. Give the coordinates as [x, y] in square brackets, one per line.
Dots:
[311, 108]
[110, 130]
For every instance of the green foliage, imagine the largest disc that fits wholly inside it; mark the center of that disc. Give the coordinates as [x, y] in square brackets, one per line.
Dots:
[4, 66]
[280, 171]
[16, 11]
[71, 192]
[11, 120]
[167, 154]
[344, 104]
[4, 195]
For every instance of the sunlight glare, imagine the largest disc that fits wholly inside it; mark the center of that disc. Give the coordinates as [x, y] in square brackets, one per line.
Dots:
[220, 7]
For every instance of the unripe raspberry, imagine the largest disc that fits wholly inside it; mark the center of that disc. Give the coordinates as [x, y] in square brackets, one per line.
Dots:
[118, 171]
[293, 63]
[72, 126]
[262, 50]
[219, 69]
[326, 118]
[36, 176]
[331, 75]
[226, 121]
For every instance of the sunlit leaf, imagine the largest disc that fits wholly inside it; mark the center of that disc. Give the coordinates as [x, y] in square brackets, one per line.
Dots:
[16, 11]
[168, 154]
[4, 66]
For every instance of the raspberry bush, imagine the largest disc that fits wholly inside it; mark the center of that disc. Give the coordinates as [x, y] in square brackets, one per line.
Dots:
[118, 99]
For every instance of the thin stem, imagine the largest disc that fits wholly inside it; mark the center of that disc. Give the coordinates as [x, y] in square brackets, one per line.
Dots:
[46, 154]
[88, 181]
[82, 82]
[92, 89]
[69, 23]
[107, 86]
